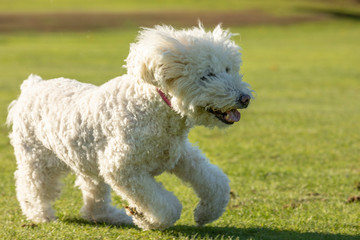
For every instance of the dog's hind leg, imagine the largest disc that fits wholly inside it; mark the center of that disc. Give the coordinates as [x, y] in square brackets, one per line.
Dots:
[97, 203]
[37, 180]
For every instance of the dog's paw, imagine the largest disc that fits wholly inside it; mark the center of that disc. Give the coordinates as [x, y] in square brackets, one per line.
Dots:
[161, 219]
[205, 213]
[111, 215]
[119, 217]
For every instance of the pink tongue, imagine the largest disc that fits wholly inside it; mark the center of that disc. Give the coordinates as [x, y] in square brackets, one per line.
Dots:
[232, 116]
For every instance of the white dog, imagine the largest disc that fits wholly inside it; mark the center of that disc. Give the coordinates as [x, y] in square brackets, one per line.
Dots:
[123, 133]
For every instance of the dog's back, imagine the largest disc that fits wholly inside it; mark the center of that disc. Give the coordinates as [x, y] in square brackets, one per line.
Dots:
[41, 97]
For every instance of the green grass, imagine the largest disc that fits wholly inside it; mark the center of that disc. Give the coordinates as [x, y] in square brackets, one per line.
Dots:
[293, 160]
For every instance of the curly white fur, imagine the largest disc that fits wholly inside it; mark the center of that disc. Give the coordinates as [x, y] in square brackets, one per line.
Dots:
[121, 134]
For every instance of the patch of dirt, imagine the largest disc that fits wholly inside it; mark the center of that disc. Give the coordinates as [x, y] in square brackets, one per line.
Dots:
[234, 202]
[81, 21]
[310, 197]
[353, 199]
[131, 211]
[31, 225]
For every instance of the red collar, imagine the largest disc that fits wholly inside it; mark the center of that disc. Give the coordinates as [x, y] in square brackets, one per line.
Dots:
[163, 96]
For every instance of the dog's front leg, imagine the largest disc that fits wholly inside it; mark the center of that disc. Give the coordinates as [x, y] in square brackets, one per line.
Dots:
[209, 182]
[150, 205]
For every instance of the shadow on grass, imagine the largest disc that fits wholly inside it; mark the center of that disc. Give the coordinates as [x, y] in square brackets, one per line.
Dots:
[83, 222]
[252, 233]
[210, 232]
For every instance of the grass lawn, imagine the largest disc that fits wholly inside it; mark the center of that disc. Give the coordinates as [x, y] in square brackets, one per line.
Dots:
[293, 160]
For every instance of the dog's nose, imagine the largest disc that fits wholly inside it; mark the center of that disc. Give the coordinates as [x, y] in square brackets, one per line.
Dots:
[244, 100]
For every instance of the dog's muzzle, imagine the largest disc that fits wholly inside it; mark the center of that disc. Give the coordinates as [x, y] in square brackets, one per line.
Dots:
[244, 101]
[233, 115]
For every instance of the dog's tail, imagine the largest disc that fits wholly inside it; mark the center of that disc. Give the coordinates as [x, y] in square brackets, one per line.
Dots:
[11, 113]
[32, 79]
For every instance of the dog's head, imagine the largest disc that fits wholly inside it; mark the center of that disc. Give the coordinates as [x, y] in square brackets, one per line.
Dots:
[196, 69]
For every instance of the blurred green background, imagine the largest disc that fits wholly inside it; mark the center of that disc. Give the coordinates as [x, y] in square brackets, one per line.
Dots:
[293, 160]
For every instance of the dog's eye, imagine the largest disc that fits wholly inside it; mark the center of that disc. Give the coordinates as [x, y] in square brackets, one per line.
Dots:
[227, 69]
[207, 76]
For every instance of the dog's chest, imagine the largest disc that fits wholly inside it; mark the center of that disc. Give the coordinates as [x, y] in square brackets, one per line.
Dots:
[162, 155]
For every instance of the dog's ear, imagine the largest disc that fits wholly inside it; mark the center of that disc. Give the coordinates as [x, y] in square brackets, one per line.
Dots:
[154, 55]
[140, 64]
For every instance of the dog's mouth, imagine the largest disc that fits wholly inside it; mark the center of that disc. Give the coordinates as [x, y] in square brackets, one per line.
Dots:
[227, 117]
